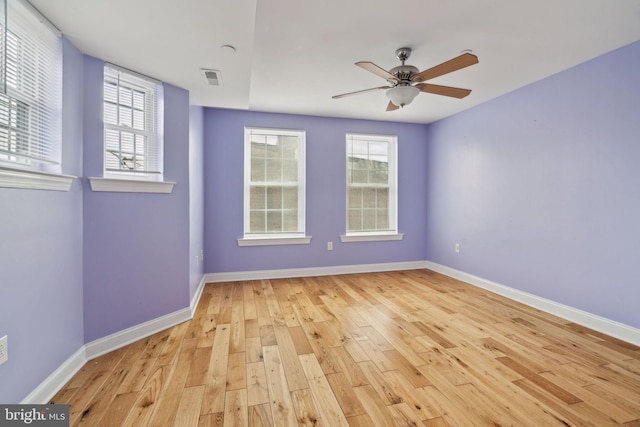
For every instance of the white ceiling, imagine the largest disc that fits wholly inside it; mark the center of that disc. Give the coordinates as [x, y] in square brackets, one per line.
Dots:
[293, 55]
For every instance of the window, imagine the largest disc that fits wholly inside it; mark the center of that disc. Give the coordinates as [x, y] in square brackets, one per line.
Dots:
[371, 188]
[30, 89]
[274, 187]
[132, 125]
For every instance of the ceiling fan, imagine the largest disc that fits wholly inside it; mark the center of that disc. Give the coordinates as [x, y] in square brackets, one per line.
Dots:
[405, 82]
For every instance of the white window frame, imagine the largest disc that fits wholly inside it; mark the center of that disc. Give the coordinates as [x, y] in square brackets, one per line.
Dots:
[392, 155]
[279, 238]
[32, 96]
[149, 177]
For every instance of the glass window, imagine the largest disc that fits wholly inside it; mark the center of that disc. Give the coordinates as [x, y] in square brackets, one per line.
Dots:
[274, 182]
[371, 184]
[132, 125]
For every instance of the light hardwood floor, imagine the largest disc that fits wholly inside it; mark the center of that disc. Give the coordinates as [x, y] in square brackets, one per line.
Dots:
[411, 348]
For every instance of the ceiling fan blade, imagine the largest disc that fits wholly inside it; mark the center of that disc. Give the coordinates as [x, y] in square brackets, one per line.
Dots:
[358, 92]
[392, 106]
[378, 71]
[455, 64]
[454, 92]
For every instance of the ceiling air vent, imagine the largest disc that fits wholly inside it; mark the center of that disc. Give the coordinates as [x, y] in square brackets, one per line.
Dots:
[212, 77]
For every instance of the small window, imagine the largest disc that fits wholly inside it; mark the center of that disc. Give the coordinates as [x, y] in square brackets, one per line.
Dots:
[30, 90]
[274, 183]
[371, 184]
[132, 125]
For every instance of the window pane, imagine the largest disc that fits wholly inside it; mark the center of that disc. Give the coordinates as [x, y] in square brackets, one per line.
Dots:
[257, 170]
[368, 198]
[274, 198]
[379, 171]
[290, 147]
[355, 198]
[290, 219]
[290, 170]
[257, 150]
[125, 117]
[257, 198]
[382, 198]
[274, 221]
[354, 219]
[274, 170]
[382, 220]
[290, 198]
[368, 219]
[360, 177]
[257, 222]
[124, 96]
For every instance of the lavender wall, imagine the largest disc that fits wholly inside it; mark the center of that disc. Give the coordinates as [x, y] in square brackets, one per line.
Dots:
[540, 187]
[196, 197]
[41, 261]
[326, 194]
[136, 246]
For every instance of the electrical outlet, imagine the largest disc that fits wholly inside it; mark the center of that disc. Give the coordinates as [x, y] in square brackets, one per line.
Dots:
[457, 248]
[329, 246]
[4, 350]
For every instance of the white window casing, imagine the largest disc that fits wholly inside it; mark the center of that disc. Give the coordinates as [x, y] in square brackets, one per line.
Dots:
[30, 99]
[371, 188]
[274, 187]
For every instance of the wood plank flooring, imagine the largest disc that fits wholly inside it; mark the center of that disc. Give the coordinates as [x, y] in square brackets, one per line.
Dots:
[410, 348]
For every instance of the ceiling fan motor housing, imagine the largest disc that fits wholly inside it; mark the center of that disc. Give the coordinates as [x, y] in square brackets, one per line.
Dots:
[404, 72]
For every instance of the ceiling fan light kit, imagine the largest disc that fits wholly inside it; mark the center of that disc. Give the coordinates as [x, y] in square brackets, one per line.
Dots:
[402, 95]
[406, 81]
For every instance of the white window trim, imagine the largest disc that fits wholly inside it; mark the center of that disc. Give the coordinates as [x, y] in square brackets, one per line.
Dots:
[34, 180]
[118, 185]
[370, 237]
[273, 241]
[374, 236]
[129, 180]
[275, 238]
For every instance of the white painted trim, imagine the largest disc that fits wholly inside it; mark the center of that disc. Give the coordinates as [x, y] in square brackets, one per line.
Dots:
[130, 185]
[378, 237]
[606, 326]
[54, 382]
[312, 271]
[196, 296]
[270, 241]
[34, 180]
[127, 336]
[50, 386]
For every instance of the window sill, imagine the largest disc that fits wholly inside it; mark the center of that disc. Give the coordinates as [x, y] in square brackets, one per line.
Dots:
[376, 237]
[34, 180]
[271, 241]
[130, 185]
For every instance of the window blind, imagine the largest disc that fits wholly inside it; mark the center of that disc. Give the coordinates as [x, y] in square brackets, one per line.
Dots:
[30, 87]
[133, 142]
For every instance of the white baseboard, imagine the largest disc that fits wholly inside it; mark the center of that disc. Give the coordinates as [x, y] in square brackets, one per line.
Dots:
[54, 382]
[49, 387]
[127, 336]
[606, 326]
[311, 271]
[197, 295]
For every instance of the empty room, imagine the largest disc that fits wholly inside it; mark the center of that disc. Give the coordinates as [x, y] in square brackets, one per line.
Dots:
[339, 213]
